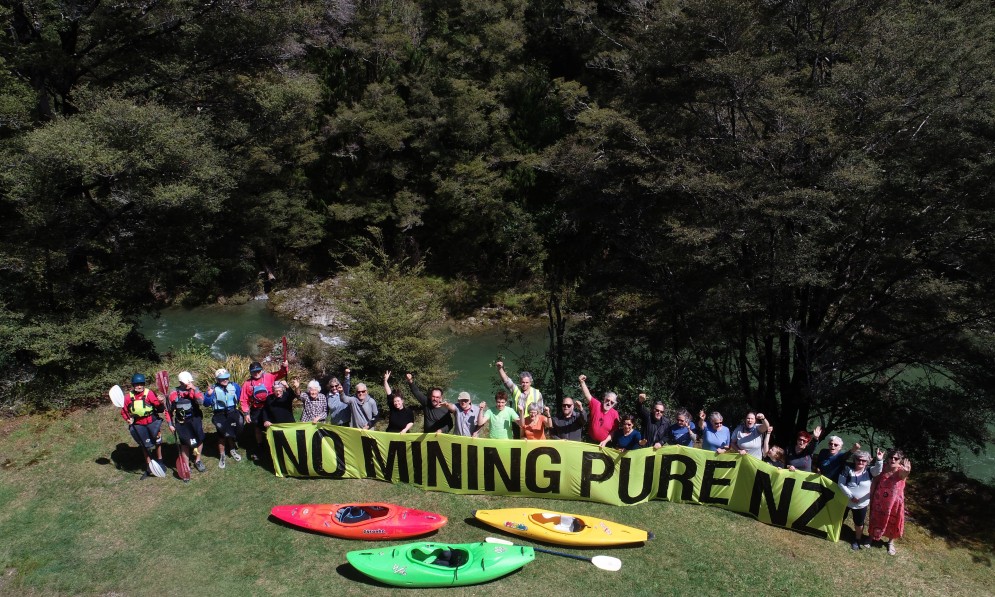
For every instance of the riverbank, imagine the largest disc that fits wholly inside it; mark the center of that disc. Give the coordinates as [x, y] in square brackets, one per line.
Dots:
[77, 520]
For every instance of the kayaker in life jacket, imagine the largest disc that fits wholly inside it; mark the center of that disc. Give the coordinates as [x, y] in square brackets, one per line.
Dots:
[223, 397]
[252, 401]
[188, 420]
[142, 410]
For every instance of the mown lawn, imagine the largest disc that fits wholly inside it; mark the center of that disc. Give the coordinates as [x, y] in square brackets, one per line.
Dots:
[76, 520]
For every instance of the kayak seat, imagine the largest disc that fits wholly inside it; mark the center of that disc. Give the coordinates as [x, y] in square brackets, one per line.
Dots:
[351, 515]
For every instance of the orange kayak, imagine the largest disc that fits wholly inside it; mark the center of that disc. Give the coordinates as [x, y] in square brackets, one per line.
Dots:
[371, 521]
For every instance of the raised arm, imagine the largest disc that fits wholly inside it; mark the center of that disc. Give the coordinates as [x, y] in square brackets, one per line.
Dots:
[386, 384]
[482, 416]
[415, 391]
[583, 388]
[507, 381]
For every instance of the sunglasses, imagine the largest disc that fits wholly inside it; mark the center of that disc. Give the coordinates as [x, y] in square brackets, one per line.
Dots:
[657, 410]
[863, 460]
[360, 391]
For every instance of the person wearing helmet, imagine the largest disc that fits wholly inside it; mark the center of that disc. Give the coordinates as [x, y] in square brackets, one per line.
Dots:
[187, 418]
[223, 396]
[142, 410]
[252, 399]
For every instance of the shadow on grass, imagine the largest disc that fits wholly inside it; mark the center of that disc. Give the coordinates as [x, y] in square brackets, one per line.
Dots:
[955, 508]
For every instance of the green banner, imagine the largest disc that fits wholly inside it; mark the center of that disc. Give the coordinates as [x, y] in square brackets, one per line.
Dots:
[806, 502]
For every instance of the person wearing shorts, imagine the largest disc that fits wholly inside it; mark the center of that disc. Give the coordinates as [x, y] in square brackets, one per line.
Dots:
[223, 397]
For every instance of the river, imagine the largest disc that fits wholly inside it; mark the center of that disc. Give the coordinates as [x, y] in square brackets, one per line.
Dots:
[235, 329]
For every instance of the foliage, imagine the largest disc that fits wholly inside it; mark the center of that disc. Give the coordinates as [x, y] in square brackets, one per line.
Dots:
[395, 319]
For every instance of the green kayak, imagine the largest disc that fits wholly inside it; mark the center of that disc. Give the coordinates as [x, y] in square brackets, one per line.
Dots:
[425, 564]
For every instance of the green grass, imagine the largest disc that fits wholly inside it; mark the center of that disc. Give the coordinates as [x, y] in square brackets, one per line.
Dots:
[73, 522]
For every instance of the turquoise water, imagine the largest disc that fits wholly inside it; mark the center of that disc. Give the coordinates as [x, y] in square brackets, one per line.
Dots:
[227, 330]
[235, 329]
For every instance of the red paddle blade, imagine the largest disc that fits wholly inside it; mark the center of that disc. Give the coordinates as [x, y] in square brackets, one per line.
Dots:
[285, 358]
[162, 382]
[182, 467]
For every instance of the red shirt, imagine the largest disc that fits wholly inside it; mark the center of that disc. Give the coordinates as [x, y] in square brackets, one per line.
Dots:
[267, 381]
[603, 424]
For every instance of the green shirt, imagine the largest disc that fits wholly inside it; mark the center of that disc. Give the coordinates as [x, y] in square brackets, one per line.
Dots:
[501, 422]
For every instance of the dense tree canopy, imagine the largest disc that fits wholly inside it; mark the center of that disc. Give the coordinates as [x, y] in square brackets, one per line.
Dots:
[776, 205]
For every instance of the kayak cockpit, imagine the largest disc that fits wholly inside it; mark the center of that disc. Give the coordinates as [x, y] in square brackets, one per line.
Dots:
[358, 514]
[558, 522]
[440, 556]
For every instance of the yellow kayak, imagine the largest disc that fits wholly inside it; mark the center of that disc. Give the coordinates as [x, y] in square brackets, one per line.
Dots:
[564, 529]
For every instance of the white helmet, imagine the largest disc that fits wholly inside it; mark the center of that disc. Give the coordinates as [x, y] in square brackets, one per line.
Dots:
[186, 377]
[222, 373]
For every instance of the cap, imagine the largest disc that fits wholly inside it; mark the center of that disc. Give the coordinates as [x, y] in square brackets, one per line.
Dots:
[255, 366]
[463, 397]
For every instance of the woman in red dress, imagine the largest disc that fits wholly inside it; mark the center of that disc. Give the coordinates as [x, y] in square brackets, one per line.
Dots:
[888, 497]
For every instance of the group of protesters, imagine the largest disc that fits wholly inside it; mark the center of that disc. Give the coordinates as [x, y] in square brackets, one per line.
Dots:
[520, 412]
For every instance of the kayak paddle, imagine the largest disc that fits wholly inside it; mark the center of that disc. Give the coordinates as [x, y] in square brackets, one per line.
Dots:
[182, 465]
[117, 396]
[604, 562]
[155, 468]
[285, 357]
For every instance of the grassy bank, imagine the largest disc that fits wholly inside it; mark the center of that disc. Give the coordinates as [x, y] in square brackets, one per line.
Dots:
[76, 520]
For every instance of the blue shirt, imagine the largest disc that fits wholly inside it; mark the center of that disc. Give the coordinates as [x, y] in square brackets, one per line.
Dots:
[628, 442]
[713, 439]
[679, 436]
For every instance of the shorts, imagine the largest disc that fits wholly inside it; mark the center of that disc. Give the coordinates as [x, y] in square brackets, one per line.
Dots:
[228, 423]
[147, 436]
[859, 516]
[191, 432]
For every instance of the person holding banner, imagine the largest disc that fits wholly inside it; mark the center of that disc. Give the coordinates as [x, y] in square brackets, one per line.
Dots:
[604, 418]
[338, 411]
[748, 436]
[715, 436]
[315, 404]
[799, 456]
[627, 437]
[888, 497]
[465, 416]
[682, 432]
[500, 420]
[436, 410]
[570, 422]
[830, 461]
[535, 425]
[362, 408]
[655, 423]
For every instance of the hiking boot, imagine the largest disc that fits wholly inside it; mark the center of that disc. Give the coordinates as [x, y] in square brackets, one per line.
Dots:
[234, 454]
[200, 466]
[221, 463]
[855, 546]
[145, 475]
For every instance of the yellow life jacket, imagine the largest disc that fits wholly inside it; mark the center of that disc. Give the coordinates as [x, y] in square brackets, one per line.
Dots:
[139, 406]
